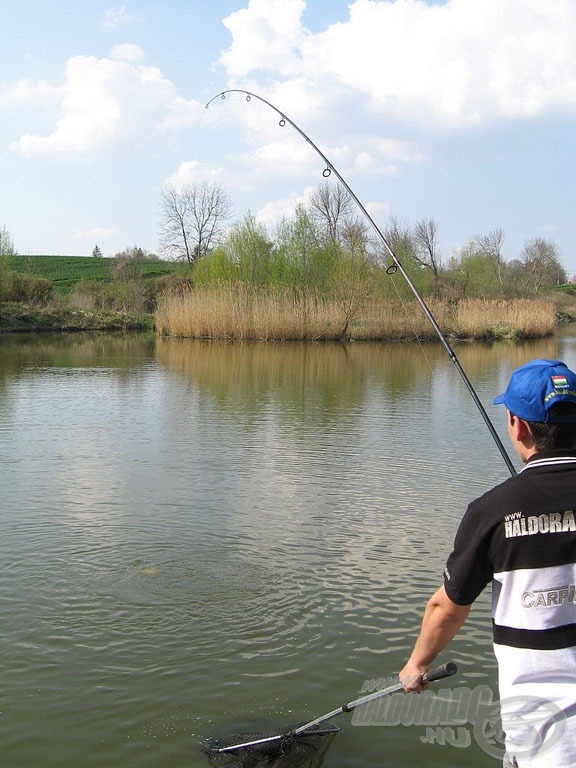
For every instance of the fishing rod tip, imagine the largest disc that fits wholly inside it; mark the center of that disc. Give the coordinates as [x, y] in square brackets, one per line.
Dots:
[221, 95]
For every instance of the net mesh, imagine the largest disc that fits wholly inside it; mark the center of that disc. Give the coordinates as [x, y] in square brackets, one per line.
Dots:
[305, 750]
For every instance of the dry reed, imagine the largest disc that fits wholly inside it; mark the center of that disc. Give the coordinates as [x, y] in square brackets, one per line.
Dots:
[519, 318]
[237, 314]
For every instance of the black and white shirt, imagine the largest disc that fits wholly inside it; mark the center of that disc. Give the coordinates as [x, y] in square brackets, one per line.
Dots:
[521, 536]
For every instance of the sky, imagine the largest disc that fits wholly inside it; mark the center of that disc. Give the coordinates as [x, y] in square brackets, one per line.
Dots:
[460, 111]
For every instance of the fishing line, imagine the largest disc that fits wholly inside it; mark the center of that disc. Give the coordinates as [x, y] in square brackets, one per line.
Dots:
[396, 265]
[410, 320]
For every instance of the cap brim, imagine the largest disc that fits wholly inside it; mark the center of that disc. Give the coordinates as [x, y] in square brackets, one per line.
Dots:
[499, 399]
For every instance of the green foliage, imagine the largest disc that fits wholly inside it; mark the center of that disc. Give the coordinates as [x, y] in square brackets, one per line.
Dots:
[127, 284]
[63, 271]
[250, 249]
[300, 260]
[305, 259]
[472, 275]
[131, 296]
[321, 251]
[23, 288]
[246, 256]
[217, 268]
[66, 271]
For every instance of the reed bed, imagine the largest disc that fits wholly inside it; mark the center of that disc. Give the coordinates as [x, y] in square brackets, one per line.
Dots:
[240, 314]
[516, 319]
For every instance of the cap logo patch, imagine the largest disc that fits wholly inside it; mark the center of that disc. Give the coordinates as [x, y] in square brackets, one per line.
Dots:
[560, 382]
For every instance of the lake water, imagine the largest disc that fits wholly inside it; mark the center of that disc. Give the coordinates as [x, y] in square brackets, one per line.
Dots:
[198, 538]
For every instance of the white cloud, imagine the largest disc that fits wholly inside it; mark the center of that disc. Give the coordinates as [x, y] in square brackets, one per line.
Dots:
[92, 235]
[462, 62]
[180, 112]
[127, 52]
[192, 172]
[283, 157]
[266, 35]
[116, 18]
[105, 101]
[378, 210]
[273, 213]
[29, 93]
[289, 157]
[548, 230]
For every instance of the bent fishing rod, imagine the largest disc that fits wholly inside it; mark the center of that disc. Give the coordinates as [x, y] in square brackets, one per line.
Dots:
[396, 265]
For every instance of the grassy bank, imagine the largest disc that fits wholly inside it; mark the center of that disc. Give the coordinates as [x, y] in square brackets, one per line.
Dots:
[69, 293]
[65, 272]
[19, 318]
[233, 313]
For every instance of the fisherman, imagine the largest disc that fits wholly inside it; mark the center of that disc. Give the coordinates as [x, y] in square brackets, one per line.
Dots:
[521, 536]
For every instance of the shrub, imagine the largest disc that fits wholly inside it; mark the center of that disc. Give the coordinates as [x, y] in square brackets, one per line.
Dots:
[22, 288]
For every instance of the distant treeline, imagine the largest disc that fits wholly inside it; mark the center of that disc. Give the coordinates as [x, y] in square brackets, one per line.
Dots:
[323, 274]
[327, 242]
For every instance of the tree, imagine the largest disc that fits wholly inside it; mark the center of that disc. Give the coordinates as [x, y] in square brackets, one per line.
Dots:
[333, 211]
[541, 266]
[306, 262]
[6, 243]
[134, 253]
[426, 247]
[515, 281]
[471, 274]
[331, 208]
[400, 237]
[490, 246]
[249, 247]
[401, 240]
[97, 253]
[193, 219]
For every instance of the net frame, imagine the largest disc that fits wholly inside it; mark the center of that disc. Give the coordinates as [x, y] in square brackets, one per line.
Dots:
[272, 750]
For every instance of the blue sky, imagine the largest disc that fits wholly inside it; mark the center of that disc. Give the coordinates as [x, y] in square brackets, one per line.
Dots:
[460, 111]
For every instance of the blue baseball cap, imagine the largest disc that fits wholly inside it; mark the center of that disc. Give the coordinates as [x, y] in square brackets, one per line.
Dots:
[535, 387]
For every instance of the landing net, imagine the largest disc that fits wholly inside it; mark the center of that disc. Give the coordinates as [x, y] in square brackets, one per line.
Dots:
[304, 750]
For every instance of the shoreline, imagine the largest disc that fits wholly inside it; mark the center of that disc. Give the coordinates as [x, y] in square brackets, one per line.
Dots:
[21, 319]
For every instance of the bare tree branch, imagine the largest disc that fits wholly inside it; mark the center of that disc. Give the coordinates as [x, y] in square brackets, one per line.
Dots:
[193, 219]
[426, 245]
[490, 245]
[541, 266]
[332, 209]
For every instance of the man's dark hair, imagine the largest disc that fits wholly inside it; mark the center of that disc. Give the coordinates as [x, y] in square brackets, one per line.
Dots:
[550, 437]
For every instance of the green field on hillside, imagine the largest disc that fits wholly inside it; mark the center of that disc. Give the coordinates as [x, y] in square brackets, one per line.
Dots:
[66, 271]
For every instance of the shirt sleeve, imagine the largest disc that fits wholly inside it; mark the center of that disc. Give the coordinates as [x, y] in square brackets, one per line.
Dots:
[469, 568]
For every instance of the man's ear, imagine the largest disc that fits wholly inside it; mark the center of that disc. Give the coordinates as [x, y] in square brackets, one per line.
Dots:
[520, 428]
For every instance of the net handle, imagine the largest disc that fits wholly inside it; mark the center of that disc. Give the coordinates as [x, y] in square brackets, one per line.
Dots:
[445, 670]
[438, 673]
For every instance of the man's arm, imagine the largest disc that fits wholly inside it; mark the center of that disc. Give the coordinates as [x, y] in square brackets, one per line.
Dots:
[442, 620]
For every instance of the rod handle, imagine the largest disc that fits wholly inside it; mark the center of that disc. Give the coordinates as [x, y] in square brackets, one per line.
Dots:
[444, 670]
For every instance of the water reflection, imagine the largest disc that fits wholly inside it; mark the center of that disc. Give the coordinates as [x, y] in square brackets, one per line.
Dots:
[245, 531]
[313, 380]
[19, 351]
[307, 383]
